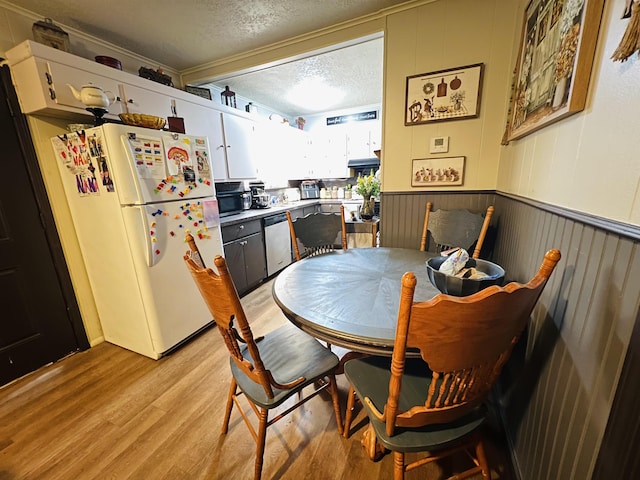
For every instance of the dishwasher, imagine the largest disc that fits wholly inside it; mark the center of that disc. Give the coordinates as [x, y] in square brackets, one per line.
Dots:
[277, 241]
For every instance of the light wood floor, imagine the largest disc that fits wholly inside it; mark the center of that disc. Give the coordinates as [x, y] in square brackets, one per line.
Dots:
[108, 413]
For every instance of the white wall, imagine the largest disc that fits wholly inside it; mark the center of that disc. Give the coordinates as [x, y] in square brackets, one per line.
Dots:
[589, 161]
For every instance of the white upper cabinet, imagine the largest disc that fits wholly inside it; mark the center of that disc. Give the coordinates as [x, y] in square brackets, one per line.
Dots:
[363, 139]
[142, 100]
[41, 74]
[44, 86]
[274, 162]
[206, 122]
[240, 144]
[332, 147]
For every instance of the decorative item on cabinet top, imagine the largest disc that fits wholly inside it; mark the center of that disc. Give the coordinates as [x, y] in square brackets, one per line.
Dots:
[156, 75]
[109, 61]
[142, 120]
[48, 33]
[199, 91]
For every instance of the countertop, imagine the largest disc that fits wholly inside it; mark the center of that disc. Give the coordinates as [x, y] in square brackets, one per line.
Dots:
[258, 213]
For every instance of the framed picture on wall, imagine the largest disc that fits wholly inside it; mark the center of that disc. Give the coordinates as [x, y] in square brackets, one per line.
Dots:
[437, 172]
[557, 46]
[452, 94]
[201, 92]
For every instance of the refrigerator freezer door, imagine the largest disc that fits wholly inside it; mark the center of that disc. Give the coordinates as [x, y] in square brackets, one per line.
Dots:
[173, 306]
[149, 166]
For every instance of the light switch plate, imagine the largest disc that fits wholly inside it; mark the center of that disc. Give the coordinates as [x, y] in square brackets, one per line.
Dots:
[439, 145]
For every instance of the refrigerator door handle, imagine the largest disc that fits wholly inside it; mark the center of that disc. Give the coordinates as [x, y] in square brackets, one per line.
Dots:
[147, 237]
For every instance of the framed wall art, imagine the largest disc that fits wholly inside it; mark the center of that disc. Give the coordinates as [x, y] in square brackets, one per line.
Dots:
[557, 47]
[452, 94]
[201, 92]
[437, 172]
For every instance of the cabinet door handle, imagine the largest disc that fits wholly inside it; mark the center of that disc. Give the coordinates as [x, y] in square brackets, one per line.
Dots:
[48, 77]
[220, 146]
[52, 93]
[241, 227]
[244, 244]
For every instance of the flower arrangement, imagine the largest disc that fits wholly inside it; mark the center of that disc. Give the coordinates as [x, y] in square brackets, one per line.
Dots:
[457, 98]
[570, 12]
[567, 53]
[368, 186]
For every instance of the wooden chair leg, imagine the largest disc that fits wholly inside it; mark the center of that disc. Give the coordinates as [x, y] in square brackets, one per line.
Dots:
[351, 400]
[333, 387]
[369, 441]
[260, 443]
[227, 413]
[482, 461]
[398, 465]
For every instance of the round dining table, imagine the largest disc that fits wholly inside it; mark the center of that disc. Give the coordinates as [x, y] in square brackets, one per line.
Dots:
[350, 298]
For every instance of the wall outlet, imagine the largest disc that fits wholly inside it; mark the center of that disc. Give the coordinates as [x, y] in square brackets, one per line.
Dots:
[439, 145]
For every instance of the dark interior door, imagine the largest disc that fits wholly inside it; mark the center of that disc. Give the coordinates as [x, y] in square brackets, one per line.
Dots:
[40, 319]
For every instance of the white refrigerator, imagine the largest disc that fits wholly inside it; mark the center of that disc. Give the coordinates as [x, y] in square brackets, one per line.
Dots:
[134, 194]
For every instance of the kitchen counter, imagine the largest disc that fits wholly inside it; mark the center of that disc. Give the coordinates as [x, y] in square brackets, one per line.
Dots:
[257, 213]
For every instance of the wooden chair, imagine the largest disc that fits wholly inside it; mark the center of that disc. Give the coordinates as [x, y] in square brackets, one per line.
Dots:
[435, 403]
[317, 233]
[194, 253]
[455, 228]
[268, 370]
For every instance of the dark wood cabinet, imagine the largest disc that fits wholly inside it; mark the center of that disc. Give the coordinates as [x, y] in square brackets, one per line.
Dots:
[244, 253]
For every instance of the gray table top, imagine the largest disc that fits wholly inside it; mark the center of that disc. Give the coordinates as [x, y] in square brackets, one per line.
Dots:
[350, 298]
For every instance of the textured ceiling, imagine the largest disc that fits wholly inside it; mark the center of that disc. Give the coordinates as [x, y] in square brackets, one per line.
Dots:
[355, 73]
[188, 33]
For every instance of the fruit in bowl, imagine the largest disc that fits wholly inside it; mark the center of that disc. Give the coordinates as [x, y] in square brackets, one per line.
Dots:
[461, 286]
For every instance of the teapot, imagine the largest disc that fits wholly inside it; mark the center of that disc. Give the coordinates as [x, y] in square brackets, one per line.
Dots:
[93, 96]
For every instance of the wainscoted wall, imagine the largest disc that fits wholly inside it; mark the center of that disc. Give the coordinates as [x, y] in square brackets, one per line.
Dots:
[402, 213]
[557, 393]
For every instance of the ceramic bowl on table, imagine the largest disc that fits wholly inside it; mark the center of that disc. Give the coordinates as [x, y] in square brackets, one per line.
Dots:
[461, 287]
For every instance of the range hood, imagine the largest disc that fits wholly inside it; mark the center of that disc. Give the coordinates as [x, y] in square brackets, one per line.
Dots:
[364, 163]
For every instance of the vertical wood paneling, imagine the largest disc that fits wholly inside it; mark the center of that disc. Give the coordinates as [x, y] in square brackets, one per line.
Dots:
[403, 214]
[616, 460]
[557, 391]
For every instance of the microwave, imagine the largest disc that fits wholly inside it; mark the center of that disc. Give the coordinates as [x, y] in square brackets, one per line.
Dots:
[233, 197]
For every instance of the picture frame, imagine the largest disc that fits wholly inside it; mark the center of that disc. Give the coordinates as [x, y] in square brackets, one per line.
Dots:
[437, 172]
[199, 91]
[557, 47]
[452, 94]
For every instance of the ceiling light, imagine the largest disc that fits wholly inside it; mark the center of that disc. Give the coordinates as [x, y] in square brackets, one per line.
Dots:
[314, 93]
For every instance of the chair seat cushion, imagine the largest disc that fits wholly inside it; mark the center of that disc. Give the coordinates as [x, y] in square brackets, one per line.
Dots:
[370, 377]
[288, 353]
